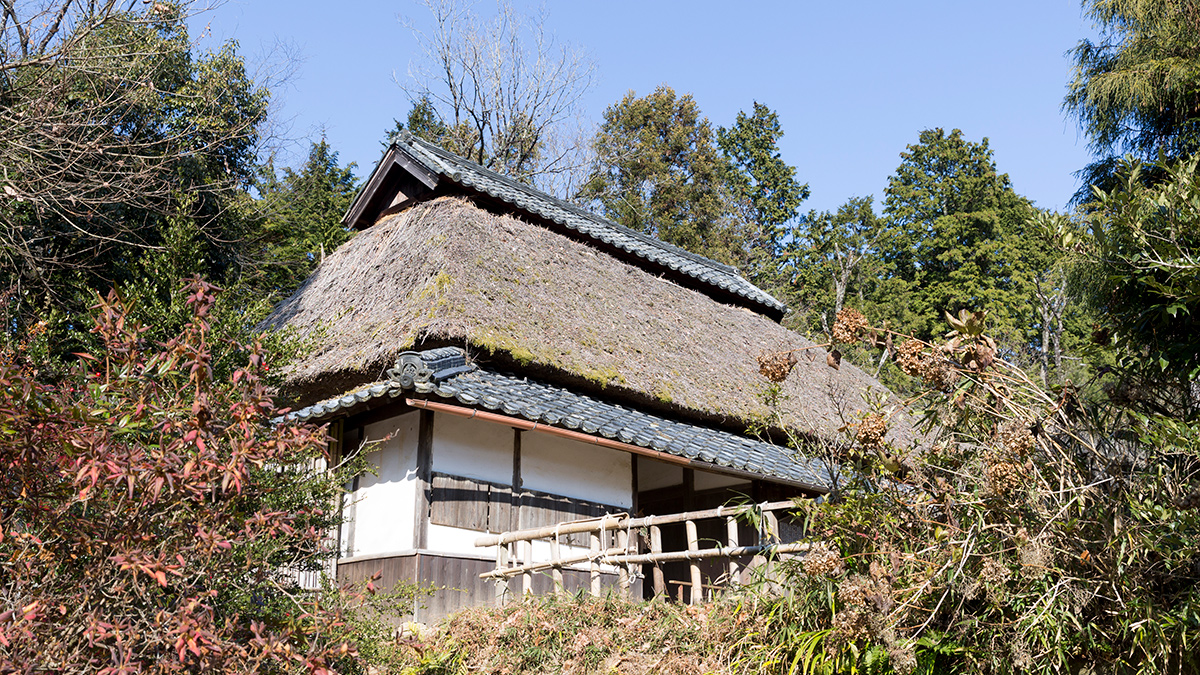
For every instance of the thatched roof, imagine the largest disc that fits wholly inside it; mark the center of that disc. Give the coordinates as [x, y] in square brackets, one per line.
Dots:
[413, 170]
[518, 296]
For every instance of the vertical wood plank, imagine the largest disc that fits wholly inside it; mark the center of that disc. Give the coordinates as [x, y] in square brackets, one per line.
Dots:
[693, 544]
[660, 581]
[424, 471]
[499, 508]
[731, 529]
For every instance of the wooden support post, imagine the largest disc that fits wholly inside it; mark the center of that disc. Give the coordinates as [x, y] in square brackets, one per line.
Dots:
[527, 577]
[556, 572]
[595, 549]
[502, 583]
[623, 570]
[660, 582]
[772, 522]
[693, 543]
[424, 478]
[731, 530]
[772, 525]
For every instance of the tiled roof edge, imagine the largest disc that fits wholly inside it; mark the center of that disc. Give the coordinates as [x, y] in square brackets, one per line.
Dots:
[434, 372]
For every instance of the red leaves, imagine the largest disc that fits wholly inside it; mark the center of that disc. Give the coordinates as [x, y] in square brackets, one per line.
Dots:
[139, 496]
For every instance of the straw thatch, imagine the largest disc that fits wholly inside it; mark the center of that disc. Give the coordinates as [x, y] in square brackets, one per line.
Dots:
[522, 297]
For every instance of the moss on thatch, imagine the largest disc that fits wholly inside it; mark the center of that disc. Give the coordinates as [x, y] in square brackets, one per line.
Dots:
[519, 296]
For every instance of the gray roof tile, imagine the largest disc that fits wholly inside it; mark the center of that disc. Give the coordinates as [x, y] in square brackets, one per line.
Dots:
[446, 373]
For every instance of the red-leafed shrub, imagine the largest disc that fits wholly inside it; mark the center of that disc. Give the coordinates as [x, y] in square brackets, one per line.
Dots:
[154, 520]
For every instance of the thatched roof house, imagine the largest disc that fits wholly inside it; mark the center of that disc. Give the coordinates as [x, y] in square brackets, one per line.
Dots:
[469, 295]
[478, 263]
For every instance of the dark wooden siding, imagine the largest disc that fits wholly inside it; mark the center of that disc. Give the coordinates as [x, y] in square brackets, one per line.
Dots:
[479, 505]
[456, 582]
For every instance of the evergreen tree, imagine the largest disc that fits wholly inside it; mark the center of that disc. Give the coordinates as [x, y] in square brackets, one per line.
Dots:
[763, 186]
[833, 257]
[116, 131]
[306, 222]
[658, 171]
[956, 239]
[1137, 89]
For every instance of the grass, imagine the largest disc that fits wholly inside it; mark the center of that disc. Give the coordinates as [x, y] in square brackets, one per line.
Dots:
[580, 634]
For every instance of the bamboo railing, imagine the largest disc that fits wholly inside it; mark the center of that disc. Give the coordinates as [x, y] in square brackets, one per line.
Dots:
[514, 555]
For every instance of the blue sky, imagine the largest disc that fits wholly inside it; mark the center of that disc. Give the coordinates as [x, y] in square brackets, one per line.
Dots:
[853, 82]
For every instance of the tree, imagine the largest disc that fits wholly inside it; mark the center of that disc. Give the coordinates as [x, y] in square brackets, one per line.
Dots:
[305, 210]
[1140, 271]
[658, 171]
[115, 134]
[154, 519]
[107, 119]
[503, 93]
[762, 184]
[423, 121]
[956, 238]
[833, 255]
[1137, 90]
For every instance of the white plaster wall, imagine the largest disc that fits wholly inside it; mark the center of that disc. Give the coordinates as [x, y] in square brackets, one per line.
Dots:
[473, 449]
[456, 540]
[383, 509]
[653, 474]
[578, 470]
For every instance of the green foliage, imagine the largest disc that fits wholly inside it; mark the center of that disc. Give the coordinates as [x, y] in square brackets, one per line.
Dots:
[117, 134]
[762, 185]
[423, 122]
[304, 218]
[1140, 271]
[1028, 532]
[833, 257]
[1137, 89]
[956, 238]
[658, 171]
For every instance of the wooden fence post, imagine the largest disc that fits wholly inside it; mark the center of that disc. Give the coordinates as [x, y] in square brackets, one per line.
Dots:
[693, 543]
[556, 574]
[595, 550]
[731, 530]
[660, 581]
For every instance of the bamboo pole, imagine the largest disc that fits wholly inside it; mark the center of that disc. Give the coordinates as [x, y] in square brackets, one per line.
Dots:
[613, 522]
[614, 557]
[501, 579]
[693, 544]
[623, 570]
[527, 577]
[595, 549]
[556, 572]
[660, 581]
[731, 536]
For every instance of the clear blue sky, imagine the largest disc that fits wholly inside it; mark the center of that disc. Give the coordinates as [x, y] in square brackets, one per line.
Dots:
[853, 82]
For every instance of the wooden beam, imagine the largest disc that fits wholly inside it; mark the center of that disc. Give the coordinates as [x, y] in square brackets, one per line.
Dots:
[424, 482]
[618, 521]
[517, 483]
